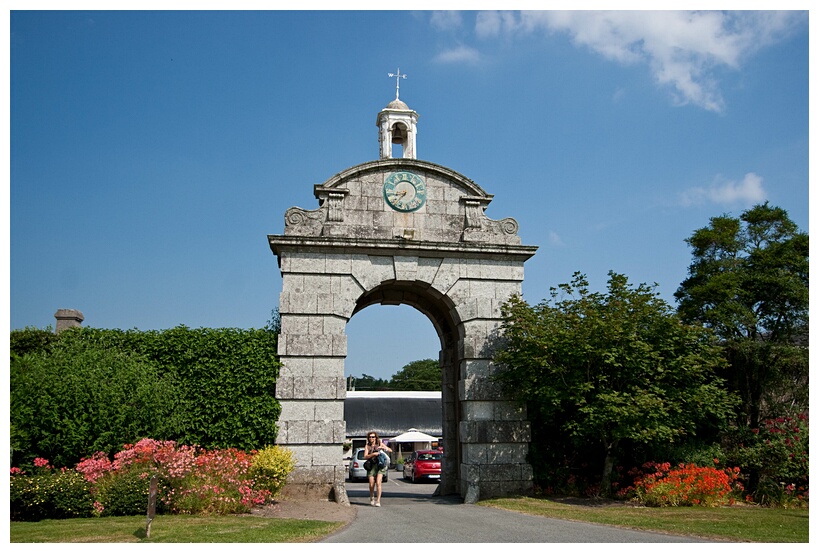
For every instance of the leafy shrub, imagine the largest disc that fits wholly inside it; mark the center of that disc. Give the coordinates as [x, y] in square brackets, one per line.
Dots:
[123, 493]
[779, 494]
[270, 468]
[694, 451]
[50, 494]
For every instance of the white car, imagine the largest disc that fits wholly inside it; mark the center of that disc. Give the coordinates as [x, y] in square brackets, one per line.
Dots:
[357, 471]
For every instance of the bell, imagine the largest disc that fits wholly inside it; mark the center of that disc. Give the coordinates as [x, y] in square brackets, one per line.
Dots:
[399, 136]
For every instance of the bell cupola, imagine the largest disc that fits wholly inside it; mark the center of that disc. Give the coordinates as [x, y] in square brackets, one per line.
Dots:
[397, 124]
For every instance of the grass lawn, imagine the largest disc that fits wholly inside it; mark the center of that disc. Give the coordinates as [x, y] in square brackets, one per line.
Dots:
[736, 524]
[745, 523]
[172, 529]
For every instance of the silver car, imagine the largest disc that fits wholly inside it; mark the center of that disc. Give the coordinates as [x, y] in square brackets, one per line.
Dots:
[357, 471]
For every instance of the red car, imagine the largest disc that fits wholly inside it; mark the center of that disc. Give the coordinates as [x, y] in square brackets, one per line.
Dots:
[423, 464]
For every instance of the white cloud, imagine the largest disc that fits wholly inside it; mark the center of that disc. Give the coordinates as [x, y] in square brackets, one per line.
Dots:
[554, 239]
[748, 191]
[459, 54]
[445, 20]
[491, 24]
[682, 49]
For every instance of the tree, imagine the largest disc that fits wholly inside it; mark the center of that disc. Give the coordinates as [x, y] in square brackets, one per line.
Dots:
[367, 382]
[274, 323]
[418, 375]
[748, 281]
[611, 369]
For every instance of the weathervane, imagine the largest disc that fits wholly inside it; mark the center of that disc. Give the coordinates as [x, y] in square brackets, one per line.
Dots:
[398, 76]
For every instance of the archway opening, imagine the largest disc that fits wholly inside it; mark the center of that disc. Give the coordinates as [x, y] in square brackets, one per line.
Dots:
[397, 331]
[382, 339]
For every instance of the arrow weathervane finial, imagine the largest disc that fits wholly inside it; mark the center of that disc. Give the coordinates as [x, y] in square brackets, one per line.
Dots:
[398, 76]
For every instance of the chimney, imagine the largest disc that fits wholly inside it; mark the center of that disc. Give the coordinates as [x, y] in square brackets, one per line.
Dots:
[68, 318]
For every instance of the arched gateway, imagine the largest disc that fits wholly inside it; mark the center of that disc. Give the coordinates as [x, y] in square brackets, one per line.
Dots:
[400, 231]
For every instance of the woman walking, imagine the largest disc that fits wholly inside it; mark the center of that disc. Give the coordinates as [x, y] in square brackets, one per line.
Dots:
[375, 474]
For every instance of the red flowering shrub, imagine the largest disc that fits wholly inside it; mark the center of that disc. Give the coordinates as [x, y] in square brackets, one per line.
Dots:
[684, 485]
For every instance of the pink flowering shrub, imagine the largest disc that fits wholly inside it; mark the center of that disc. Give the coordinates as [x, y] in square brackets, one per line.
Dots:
[41, 463]
[95, 466]
[191, 480]
[219, 484]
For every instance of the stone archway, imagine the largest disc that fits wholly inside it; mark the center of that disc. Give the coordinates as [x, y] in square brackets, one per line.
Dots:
[443, 257]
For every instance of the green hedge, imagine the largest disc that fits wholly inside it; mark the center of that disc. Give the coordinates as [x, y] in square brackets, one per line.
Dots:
[89, 390]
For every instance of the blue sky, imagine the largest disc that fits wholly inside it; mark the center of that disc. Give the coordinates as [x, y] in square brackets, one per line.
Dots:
[151, 153]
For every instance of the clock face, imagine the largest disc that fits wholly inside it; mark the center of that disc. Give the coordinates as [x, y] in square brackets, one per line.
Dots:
[405, 191]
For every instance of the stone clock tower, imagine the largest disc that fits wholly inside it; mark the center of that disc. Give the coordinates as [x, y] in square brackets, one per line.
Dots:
[399, 230]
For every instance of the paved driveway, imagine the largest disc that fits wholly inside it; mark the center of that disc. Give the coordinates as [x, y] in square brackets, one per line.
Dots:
[409, 514]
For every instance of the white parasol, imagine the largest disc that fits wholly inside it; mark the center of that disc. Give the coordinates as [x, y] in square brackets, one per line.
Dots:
[414, 436]
[419, 439]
